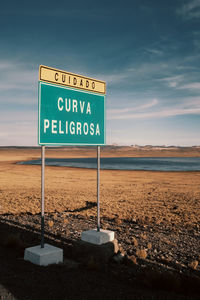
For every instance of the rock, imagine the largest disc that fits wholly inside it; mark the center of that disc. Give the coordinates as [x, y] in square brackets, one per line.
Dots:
[194, 264]
[157, 222]
[141, 253]
[168, 258]
[50, 223]
[116, 246]
[118, 221]
[143, 236]
[179, 265]
[128, 241]
[127, 230]
[83, 251]
[130, 260]
[118, 258]
[121, 250]
[135, 242]
[149, 245]
[129, 252]
[133, 259]
[165, 259]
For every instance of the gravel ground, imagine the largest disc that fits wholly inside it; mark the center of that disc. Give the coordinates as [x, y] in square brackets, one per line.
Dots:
[154, 261]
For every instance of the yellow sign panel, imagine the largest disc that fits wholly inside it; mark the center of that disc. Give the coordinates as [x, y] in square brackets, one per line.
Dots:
[55, 76]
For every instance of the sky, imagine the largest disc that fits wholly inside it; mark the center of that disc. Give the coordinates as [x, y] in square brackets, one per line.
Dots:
[148, 52]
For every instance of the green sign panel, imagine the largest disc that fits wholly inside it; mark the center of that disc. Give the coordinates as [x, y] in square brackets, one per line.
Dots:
[70, 117]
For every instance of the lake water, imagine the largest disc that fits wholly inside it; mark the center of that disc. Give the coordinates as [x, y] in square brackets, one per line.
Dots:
[126, 163]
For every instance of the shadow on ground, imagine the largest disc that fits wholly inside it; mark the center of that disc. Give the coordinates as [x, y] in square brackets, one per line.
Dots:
[71, 280]
[89, 204]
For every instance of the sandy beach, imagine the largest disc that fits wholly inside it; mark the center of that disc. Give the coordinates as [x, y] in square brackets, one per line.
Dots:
[169, 197]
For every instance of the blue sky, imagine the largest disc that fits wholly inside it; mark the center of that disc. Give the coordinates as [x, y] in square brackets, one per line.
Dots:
[148, 52]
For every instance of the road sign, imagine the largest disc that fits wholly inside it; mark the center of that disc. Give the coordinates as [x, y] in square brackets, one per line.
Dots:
[71, 112]
[59, 77]
[70, 116]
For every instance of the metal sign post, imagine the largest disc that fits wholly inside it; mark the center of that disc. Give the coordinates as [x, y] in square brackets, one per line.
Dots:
[98, 236]
[98, 188]
[42, 194]
[71, 111]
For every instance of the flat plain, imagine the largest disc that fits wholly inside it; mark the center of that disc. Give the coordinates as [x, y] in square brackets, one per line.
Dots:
[172, 197]
[155, 216]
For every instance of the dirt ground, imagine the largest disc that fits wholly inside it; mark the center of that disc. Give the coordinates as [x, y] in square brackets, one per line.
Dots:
[170, 197]
[158, 212]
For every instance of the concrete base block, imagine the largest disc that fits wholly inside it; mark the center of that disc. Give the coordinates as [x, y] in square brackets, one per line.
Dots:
[44, 256]
[97, 237]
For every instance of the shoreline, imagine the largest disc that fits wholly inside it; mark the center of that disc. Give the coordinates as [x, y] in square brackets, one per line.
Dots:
[103, 170]
[128, 163]
[106, 151]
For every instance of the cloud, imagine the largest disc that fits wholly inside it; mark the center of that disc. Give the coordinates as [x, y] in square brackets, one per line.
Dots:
[190, 10]
[14, 116]
[128, 110]
[18, 85]
[113, 78]
[17, 76]
[180, 82]
[21, 134]
[155, 52]
[188, 106]
[5, 65]
[18, 128]
[190, 86]
[157, 114]
[172, 81]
